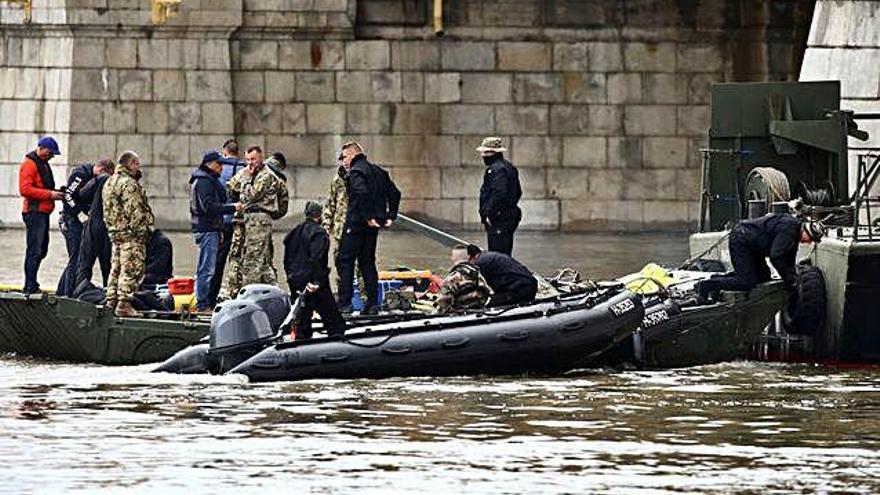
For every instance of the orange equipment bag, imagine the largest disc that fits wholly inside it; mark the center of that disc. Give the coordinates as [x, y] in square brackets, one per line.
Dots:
[181, 286]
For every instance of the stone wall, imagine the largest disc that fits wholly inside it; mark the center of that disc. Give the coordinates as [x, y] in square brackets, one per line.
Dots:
[844, 45]
[603, 103]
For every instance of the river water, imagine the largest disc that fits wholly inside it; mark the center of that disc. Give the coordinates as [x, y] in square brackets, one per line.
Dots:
[739, 427]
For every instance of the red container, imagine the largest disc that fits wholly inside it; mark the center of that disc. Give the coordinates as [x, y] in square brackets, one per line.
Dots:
[181, 286]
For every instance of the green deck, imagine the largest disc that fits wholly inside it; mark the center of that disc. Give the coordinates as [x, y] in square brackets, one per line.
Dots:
[69, 330]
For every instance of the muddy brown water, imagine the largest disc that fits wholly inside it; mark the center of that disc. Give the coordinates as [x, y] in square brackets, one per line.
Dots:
[733, 428]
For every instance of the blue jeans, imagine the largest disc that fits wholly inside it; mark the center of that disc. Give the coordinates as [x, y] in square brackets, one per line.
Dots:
[37, 236]
[209, 244]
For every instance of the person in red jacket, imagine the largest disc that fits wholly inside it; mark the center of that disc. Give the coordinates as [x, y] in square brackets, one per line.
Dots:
[36, 185]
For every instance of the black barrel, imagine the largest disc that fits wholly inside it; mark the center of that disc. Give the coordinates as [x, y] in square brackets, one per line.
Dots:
[779, 207]
[757, 208]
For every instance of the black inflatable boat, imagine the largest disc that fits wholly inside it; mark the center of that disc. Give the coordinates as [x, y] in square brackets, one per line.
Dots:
[547, 337]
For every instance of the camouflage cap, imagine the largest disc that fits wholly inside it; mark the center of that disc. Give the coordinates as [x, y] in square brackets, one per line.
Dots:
[491, 143]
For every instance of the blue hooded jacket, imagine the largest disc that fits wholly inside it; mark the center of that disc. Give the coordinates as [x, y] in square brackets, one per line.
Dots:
[231, 166]
[207, 201]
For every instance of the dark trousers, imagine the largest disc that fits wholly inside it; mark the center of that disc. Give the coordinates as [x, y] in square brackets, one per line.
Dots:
[95, 246]
[499, 237]
[520, 293]
[37, 238]
[358, 247]
[749, 269]
[159, 265]
[220, 267]
[321, 301]
[72, 229]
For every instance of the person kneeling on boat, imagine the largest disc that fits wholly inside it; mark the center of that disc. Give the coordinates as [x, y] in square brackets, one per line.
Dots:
[776, 236]
[306, 249]
[511, 282]
[464, 288]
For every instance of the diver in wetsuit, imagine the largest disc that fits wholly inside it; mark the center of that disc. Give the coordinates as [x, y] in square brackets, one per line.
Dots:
[775, 236]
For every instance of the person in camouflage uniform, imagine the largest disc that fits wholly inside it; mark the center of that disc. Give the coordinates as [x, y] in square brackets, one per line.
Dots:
[464, 287]
[333, 218]
[260, 195]
[234, 187]
[129, 222]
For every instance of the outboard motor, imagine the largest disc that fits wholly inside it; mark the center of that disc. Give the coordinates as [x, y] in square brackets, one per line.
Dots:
[193, 359]
[239, 329]
[274, 301]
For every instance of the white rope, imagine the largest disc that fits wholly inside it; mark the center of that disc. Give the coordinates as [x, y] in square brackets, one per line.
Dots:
[776, 181]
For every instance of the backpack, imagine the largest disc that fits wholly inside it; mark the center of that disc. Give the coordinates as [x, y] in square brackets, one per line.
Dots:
[283, 196]
[283, 204]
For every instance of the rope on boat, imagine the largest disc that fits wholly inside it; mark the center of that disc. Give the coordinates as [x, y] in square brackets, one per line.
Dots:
[691, 260]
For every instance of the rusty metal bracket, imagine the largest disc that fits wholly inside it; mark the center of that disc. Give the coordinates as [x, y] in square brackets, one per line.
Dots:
[26, 5]
[162, 10]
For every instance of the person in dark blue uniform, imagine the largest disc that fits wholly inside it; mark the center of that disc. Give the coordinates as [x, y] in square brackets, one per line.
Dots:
[95, 245]
[76, 205]
[306, 250]
[510, 280]
[775, 236]
[499, 197]
[373, 200]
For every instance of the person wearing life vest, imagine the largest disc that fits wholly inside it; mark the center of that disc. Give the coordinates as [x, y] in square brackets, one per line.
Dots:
[36, 184]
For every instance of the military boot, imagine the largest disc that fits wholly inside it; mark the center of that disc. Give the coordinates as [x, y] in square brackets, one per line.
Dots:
[124, 310]
[110, 304]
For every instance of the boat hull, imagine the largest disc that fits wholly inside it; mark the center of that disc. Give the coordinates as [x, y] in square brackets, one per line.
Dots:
[700, 335]
[66, 329]
[532, 339]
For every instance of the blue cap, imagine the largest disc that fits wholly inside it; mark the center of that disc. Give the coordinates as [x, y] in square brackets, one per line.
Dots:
[49, 143]
[211, 156]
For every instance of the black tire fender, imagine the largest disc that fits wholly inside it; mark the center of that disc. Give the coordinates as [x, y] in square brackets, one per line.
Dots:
[809, 315]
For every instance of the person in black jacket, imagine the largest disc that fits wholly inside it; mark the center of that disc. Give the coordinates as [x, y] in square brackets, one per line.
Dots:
[499, 197]
[159, 265]
[751, 242]
[207, 205]
[305, 263]
[95, 244]
[74, 214]
[511, 282]
[373, 200]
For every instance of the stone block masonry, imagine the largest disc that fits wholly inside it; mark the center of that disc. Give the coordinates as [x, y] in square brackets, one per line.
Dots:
[602, 108]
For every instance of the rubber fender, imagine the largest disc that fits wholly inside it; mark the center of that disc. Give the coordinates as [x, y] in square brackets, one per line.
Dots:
[809, 315]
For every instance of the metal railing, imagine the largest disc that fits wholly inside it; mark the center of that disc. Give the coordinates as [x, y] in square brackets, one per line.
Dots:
[866, 202]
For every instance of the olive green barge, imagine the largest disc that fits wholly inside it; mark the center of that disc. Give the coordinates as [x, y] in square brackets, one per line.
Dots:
[43, 325]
